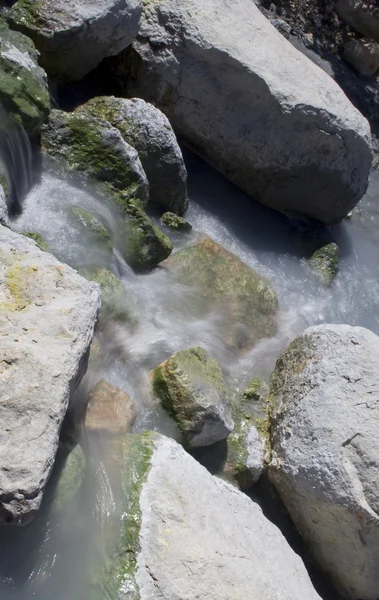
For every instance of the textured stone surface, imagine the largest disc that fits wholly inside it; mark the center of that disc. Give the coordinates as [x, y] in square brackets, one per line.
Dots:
[252, 105]
[360, 17]
[23, 84]
[74, 36]
[191, 388]
[174, 222]
[186, 534]
[148, 130]
[326, 450]
[109, 410]
[47, 317]
[363, 56]
[246, 302]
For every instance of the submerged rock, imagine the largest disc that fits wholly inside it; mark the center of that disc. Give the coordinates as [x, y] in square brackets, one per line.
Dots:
[324, 262]
[326, 450]
[187, 534]
[191, 388]
[174, 222]
[92, 227]
[75, 36]
[252, 105]
[246, 302]
[23, 85]
[37, 237]
[109, 410]
[70, 479]
[94, 148]
[148, 130]
[47, 318]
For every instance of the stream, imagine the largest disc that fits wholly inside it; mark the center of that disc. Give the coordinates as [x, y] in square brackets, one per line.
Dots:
[57, 555]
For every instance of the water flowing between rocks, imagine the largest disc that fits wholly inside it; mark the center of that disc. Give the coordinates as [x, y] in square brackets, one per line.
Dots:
[58, 554]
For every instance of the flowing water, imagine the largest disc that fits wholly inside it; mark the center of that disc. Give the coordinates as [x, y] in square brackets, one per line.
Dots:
[56, 556]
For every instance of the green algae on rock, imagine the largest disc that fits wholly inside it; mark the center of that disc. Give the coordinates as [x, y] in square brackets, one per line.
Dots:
[37, 237]
[191, 389]
[246, 301]
[23, 85]
[93, 227]
[70, 479]
[172, 221]
[324, 262]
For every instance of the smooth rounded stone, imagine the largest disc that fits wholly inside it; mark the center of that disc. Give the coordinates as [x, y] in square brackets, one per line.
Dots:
[115, 302]
[176, 223]
[74, 36]
[23, 84]
[363, 56]
[70, 479]
[360, 17]
[324, 262]
[38, 238]
[191, 389]
[252, 105]
[325, 448]
[148, 130]
[47, 319]
[245, 301]
[186, 534]
[109, 410]
[96, 149]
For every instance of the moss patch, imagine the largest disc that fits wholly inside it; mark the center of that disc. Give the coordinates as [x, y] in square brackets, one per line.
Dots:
[18, 280]
[172, 221]
[93, 227]
[37, 237]
[324, 262]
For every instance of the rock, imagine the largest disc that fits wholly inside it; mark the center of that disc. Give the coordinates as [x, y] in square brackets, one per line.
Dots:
[37, 237]
[324, 262]
[326, 450]
[149, 131]
[4, 217]
[252, 105]
[174, 222]
[245, 301]
[115, 303]
[363, 56]
[109, 410]
[23, 86]
[70, 479]
[191, 388]
[174, 543]
[357, 14]
[92, 228]
[75, 36]
[47, 318]
[94, 148]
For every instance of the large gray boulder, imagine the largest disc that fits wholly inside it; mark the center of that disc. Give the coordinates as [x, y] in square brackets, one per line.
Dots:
[148, 130]
[186, 534]
[47, 318]
[74, 36]
[325, 448]
[252, 105]
[23, 84]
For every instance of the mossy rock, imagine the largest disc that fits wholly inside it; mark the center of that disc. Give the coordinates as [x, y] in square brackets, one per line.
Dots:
[37, 237]
[176, 223]
[70, 479]
[115, 303]
[324, 262]
[116, 578]
[23, 85]
[223, 283]
[191, 389]
[92, 227]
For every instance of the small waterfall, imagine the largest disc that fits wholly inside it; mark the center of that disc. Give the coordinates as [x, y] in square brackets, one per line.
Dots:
[16, 162]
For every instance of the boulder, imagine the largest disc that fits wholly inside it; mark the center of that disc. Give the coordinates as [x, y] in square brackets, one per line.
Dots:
[325, 461]
[360, 17]
[109, 410]
[148, 130]
[47, 318]
[245, 301]
[74, 36]
[97, 150]
[363, 56]
[252, 105]
[186, 534]
[191, 389]
[176, 223]
[324, 262]
[23, 85]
